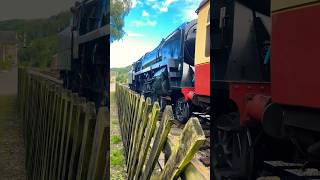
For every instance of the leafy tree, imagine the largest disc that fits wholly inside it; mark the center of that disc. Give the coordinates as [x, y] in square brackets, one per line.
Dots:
[38, 38]
[118, 10]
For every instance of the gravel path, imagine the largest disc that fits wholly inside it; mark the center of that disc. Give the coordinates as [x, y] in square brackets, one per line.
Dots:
[118, 167]
[12, 158]
[8, 82]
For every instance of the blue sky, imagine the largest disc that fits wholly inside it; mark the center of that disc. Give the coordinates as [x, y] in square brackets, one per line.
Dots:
[147, 23]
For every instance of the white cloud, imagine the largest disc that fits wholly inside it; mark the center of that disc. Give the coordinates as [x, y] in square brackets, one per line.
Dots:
[151, 23]
[161, 6]
[135, 2]
[129, 50]
[139, 23]
[168, 2]
[150, 1]
[164, 9]
[132, 34]
[188, 12]
[145, 13]
[155, 6]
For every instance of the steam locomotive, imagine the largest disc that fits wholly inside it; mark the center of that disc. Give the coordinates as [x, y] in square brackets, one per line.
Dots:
[265, 109]
[166, 74]
[83, 51]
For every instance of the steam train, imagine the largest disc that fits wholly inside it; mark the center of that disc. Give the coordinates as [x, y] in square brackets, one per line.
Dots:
[265, 97]
[168, 74]
[265, 103]
[83, 51]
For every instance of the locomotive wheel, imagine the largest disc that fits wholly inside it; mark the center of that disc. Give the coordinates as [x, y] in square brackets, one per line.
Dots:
[232, 157]
[182, 110]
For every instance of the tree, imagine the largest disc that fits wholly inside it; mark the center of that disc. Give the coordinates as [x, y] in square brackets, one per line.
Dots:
[118, 10]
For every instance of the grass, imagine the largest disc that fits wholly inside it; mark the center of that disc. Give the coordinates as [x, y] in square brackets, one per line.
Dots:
[117, 161]
[114, 121]
[116, 157]
[115, 139]
[11, 141]
[5, 65]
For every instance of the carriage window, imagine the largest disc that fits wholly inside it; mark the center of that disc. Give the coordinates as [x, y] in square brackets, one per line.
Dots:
[207, 51]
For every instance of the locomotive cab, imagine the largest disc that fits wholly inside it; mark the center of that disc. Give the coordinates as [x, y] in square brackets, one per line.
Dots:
[195, 86]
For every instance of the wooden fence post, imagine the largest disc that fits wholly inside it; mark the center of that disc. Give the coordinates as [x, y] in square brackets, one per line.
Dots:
[133, 137]
[159, 142]
[63, 137]
[77, 139]
[98, 158]
[147, 138]
[138, 142]
[191, 139]
[87, 138]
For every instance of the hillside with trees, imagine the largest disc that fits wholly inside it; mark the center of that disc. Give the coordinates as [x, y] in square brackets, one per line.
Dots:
[38, 38]
[121, 73]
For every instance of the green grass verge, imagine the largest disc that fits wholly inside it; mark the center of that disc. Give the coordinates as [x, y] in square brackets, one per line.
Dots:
[5, 65]
[117, 157]
[115, 139]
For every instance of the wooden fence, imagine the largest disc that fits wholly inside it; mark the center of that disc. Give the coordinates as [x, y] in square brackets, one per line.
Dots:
[64, 137]
[144, 137]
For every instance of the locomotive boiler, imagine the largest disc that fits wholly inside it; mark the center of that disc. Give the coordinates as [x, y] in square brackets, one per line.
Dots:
[83, 51]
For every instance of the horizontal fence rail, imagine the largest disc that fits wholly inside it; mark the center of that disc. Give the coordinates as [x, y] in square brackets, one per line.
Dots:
[144, 140]
[64, 136]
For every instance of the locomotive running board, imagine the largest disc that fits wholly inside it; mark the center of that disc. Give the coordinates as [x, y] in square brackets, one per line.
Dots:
[291, 171]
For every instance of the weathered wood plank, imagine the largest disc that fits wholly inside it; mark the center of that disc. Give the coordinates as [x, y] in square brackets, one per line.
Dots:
[59, 117]
[73, 118]
[135, 130]
[159, 142]
[51, 121]
[77, 136]
[147, 139]
[46, 123]
[88, 133]
[138, 142]
[55, 121]
[191, 139]
[195, 170]
[65, 125]
[59, 134]
[98, 158]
